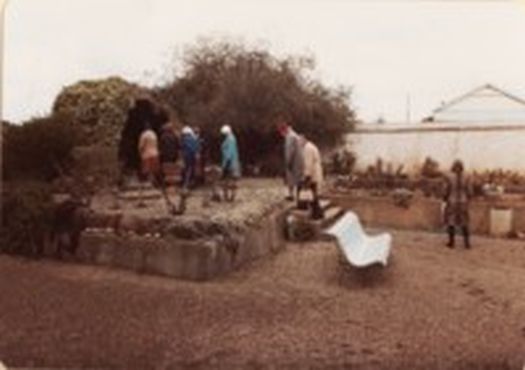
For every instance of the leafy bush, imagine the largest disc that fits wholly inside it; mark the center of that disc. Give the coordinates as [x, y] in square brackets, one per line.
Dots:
[98, 108]
[223, 83]
[27, 212]
[38, 148]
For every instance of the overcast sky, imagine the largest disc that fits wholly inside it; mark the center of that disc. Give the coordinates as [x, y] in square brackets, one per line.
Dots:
[386, 50]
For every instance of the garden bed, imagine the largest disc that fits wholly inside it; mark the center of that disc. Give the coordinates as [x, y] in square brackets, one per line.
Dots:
[207, 241]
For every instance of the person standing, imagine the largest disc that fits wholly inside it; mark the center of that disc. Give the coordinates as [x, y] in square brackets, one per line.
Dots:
[169, 153]
[149, 155]
[230, 163]
[312, 175]
[190, 147]
[293, 160]
[457, 196]
[201, 157]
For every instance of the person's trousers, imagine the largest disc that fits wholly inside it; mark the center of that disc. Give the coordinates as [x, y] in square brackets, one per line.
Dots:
[451, 229]
[188, 173]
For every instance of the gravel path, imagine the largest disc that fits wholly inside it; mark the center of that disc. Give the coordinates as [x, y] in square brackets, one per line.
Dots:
[432, 308]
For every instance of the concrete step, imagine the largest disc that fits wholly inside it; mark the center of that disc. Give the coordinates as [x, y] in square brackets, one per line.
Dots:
[332, 215]
[148, 194]
[303, 228]
[300, 213]
[135, 185]
[325, 204]
[305, 213]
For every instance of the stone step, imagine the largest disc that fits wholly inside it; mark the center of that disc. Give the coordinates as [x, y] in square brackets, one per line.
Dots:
[300, 213]
[323, 201]
[148, 194]
[303, 228]
[305, 213]
[331, 216]
[325, 204]
[135, 185]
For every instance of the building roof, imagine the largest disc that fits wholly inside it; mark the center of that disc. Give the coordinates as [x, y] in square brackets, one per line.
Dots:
[484, 104]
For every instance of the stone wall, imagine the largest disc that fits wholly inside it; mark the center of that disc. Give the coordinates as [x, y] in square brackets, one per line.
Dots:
[183, 252]
[480, 148]
[424, 213]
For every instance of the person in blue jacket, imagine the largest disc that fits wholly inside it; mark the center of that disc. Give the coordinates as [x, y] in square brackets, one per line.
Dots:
[230, 163]
[190, 148]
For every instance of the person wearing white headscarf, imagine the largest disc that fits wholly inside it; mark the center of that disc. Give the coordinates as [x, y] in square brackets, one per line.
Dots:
[230, 164]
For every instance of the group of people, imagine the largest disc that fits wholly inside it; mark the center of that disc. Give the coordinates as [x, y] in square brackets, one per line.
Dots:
[302, 163]
[159, 155]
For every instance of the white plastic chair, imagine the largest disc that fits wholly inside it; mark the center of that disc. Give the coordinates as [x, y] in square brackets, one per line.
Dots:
[359, 249]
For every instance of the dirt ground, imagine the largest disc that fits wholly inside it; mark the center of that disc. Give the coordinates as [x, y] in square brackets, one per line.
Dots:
[254, 199]
[432, 308]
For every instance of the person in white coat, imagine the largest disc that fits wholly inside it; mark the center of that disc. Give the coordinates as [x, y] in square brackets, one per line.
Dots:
[312, 174]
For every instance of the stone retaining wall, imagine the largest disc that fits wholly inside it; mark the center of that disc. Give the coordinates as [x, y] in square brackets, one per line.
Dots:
[185, 255]
[424, 213]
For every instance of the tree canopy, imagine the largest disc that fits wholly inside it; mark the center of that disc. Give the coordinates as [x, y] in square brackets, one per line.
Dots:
[225, 83]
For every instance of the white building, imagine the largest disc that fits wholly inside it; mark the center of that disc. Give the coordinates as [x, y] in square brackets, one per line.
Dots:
[485, 128]
[486, 105]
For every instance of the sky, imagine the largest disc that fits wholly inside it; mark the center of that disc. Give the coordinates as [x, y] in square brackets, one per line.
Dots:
[397, 56]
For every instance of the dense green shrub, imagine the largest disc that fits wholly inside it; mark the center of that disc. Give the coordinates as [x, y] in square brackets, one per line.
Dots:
[27, 213]
[98, 108]
[223, 83]
[39, 148]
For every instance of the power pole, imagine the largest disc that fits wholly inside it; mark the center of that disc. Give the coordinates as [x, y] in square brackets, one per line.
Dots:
[408, 108]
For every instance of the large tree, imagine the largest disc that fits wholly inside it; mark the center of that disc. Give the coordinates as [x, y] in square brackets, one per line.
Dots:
[225, 83]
